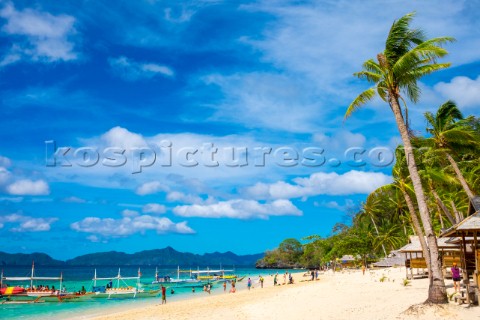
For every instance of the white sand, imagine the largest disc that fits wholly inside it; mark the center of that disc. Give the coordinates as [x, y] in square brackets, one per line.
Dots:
[345, 295]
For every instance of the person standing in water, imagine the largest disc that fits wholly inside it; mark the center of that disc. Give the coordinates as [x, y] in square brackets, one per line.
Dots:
[164, 295]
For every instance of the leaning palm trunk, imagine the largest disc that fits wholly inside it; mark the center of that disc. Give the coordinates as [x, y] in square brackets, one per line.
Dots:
[378, 234]
[458, 214]
[418, 230]
[443, 207]
[437, 292]
[460, 177]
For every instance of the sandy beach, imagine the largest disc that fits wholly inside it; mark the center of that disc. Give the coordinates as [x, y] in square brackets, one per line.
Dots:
[343, 295]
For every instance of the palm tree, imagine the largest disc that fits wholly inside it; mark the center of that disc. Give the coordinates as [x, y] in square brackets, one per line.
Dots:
[400, 176]
[407, 57]
[369, 209]
[451, 132]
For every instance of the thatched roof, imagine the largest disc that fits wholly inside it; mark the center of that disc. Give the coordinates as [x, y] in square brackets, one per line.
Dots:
[395, 258]
[468, 226]
[415, 246]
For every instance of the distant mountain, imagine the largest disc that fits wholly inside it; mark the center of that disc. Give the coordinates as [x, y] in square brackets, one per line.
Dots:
[25, 259]
[158, 257]
[164, 257]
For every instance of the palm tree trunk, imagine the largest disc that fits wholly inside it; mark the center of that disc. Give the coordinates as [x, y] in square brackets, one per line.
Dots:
[443, 207]
[458, 214]
[437, 292]
[442, 226]
[460, 177]
[418, 229]
[378, 234]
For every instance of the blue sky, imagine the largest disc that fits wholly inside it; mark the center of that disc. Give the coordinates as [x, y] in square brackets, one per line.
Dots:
[166, 78]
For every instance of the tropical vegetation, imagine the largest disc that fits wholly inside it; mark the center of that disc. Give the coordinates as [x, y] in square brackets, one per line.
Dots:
[434, 175]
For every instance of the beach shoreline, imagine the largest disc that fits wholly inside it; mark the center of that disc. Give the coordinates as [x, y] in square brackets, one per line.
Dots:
[340, 295]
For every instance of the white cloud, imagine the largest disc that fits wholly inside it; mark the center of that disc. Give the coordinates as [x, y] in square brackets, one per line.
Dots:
[130, 70]
[150, 188]
[73, 199]
[44, 37]
[348, 204]
[339, 140]
[267, 100]
[463, 90]
[176, 196]
[5, 162]
[154, 208]
[28, 187]
[26, 223]
[351, 182]
[122, 138]
[126, 226]
[130, 213]
[5, 175]
[12, 199]
[239, 209]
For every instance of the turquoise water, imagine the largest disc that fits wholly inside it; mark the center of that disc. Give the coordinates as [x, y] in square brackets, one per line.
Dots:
[76, 277]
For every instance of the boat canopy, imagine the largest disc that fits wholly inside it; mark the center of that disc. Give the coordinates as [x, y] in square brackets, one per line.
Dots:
[30, 278]
[211, 271]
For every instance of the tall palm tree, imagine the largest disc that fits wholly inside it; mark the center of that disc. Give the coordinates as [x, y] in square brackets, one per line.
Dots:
[400, 176]
[407, 57]
[451, 132]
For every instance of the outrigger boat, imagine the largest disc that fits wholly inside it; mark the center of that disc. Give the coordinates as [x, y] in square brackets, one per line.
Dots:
[177, 282]
[215, 275]
[32, 293]
[121, 290]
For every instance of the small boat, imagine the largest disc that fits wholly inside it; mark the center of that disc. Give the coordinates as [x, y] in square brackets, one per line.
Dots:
[120, 290]
[215, 275]
[177, 282]
[31, 293]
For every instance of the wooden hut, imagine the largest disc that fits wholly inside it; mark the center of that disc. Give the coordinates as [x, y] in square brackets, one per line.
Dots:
[415, 261]
[468, 231]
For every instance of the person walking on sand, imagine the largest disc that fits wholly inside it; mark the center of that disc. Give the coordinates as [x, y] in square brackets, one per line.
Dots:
[316, 274]
[363, 269]
[225, 286]
[233, 287]
[261, 281]
[285, 277]
[456, 277]
[275, 280]
[209, 287]
[249, 283]
[164, 295]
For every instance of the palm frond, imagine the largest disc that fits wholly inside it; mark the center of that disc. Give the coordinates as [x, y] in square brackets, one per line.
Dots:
[369, 76]
[359, 101]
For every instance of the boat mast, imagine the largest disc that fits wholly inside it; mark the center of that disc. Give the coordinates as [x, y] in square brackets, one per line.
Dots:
[118, 281]
[31, 278]
[95, 278]
[178, 272]
[138, 280]
[61, 278]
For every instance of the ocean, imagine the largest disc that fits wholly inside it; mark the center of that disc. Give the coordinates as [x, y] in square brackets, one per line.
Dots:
[76, 277]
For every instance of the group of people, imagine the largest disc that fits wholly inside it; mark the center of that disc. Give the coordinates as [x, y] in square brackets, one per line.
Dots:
[207, 288]
[286, 275]
[314, 274]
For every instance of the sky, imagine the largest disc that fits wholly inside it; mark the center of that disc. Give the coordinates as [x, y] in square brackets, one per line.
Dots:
[202, 125]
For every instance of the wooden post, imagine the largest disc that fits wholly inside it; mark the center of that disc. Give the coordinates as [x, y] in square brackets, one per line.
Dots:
[464, 267]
